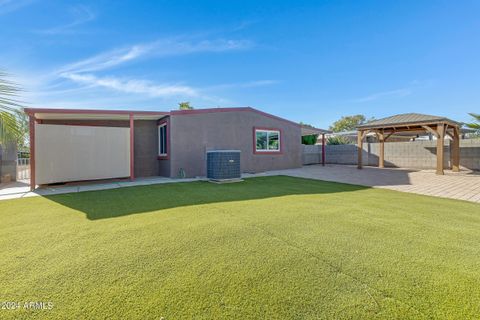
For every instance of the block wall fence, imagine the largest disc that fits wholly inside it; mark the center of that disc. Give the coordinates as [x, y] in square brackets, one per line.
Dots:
[413, 154]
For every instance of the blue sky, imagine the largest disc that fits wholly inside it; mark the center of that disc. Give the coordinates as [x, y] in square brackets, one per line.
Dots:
[311, 61]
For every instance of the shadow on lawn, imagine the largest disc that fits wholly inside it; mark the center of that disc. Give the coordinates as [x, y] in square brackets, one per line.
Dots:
[125, 201]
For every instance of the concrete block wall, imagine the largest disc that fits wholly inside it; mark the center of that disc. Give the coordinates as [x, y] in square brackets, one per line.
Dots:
[470, 154]
[416, 154]
[312, 154]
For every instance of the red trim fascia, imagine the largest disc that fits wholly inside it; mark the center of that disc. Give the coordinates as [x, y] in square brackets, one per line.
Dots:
[209, 110]
[92, 111]
[89, 123]
[167, 122]
[32, 151]
[132, 142]
[241, 109]
[280, 152]
[323, 149]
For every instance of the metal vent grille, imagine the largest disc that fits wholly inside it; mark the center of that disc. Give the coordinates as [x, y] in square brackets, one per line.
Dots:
[223, 164]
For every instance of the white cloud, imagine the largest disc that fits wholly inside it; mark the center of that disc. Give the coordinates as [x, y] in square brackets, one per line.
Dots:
[398, 93]
[159, 48]
[7, 6]
[132, 85]
[81, 14]
[88, 82]
[105, 60]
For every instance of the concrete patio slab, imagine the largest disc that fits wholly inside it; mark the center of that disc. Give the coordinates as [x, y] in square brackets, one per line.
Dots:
[21, 189]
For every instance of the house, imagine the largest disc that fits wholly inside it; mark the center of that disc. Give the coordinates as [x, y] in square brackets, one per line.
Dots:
[75, 145]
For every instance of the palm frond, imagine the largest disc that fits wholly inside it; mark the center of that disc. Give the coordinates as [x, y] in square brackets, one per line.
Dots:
[10, 127]
[474, 125]
[8, 92]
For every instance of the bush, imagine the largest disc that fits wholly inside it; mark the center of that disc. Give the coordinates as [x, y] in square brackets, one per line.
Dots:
[336, 140]
[310, 140]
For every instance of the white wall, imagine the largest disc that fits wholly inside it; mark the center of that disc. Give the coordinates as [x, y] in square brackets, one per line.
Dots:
[72, 153]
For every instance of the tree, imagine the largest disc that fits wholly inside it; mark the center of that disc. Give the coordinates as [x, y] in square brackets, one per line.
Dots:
[348, 123]
[9, 110]
[475, 125]
[185, 106]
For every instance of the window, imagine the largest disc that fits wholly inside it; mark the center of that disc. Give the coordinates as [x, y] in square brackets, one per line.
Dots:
[267, 140]
[162, 140]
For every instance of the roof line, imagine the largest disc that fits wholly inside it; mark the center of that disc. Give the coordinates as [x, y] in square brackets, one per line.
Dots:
[409, 123]
[238, 109]
[173, 112]
[91, 111]
[308, 127]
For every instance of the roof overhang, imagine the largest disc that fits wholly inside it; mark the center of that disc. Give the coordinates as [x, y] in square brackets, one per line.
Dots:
[88, 114]
[409, 125]
[308, 130]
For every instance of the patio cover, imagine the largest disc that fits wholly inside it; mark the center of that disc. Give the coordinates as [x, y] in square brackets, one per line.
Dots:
[413, 122]
[309, 130]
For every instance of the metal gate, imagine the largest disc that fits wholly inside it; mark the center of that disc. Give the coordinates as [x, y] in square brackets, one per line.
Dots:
[23, 168]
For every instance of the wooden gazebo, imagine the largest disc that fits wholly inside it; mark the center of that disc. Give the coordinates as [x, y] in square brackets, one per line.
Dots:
[414, 123]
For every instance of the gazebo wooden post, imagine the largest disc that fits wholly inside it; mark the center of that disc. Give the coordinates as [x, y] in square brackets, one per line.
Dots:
[455, 152]
[440, 142]
[381, 159]
[360, 148]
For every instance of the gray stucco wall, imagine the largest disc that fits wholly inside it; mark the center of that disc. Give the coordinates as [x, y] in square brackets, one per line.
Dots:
[8, 162]
[191, 135]
[417, 154]
[145, 148]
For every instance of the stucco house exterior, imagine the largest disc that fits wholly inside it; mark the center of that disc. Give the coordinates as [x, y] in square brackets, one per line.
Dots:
[75, 145]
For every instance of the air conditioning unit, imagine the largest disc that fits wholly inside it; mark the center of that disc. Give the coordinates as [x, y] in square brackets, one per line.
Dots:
[223, 165]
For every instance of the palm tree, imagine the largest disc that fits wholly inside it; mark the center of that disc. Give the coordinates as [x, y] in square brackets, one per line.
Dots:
[475, 125]
[9, 110]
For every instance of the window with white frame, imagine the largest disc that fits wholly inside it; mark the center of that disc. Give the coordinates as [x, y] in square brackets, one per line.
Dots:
[162, 140]
[267, 140]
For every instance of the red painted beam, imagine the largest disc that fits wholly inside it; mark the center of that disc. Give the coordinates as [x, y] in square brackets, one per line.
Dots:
[93, 111]
[32, 151]
[323, 149]
[132, 151]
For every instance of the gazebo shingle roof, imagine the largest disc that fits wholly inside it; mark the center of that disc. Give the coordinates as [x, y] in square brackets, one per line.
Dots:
[405, 119]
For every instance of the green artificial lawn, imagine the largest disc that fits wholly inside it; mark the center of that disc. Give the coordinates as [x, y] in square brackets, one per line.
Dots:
[265, 248]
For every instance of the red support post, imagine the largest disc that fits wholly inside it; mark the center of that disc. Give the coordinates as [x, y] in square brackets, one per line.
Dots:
[132, 128]
[323, 149]
[31, 118]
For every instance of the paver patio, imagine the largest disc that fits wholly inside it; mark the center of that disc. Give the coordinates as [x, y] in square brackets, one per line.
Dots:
[464, 185]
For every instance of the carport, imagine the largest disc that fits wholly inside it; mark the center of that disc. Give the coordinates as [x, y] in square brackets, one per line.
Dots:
[80, 144]
[308, 130]
[413, 123]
